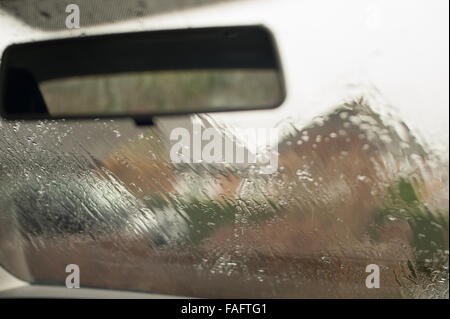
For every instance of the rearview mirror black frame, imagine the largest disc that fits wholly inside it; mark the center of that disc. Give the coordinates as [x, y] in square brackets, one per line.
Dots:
[25, 65]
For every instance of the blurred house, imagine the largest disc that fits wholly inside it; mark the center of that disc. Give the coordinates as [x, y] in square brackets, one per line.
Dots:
[349, 145]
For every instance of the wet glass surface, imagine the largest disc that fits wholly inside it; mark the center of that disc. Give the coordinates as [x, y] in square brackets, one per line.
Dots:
[355, 184]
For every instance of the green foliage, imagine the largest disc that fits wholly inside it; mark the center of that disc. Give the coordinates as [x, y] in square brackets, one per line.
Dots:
[430, 229]
[206, 215]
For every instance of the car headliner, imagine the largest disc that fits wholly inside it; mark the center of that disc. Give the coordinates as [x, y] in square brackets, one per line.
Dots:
[50, 15]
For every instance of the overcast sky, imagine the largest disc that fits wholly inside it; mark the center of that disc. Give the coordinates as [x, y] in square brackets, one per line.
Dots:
[330, 50]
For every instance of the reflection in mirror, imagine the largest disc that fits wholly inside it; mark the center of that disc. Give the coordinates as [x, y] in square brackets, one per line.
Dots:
[162, 92]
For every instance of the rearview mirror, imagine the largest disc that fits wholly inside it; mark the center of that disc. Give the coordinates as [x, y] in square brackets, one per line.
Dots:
[140, 75]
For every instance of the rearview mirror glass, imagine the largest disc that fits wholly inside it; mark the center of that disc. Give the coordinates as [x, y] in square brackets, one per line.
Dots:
[162, 92]
[144, 74]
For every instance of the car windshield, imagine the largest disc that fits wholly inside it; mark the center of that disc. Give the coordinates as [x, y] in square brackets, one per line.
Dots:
[350, 174]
